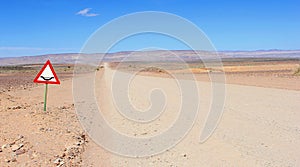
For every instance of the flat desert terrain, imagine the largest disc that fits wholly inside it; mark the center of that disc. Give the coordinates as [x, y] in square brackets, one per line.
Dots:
[260, 125]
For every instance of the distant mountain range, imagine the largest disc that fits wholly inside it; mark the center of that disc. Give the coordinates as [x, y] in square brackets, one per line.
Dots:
[159, 55]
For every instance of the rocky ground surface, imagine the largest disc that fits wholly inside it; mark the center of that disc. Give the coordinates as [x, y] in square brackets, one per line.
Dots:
[30, 136]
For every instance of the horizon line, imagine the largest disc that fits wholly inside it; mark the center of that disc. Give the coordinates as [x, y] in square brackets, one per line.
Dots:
[221, 51]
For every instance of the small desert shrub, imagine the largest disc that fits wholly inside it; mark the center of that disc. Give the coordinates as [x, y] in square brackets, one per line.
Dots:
[297, 72]
[153, 69]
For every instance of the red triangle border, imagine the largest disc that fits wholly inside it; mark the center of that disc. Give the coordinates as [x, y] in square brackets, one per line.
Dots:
[41, 71]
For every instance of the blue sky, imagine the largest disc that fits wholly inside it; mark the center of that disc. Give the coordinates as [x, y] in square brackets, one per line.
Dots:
[34, 27]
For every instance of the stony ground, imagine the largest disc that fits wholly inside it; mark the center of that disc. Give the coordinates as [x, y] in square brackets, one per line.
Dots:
[28, 135]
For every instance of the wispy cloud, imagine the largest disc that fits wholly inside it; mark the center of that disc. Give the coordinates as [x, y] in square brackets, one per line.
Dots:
[86, 12]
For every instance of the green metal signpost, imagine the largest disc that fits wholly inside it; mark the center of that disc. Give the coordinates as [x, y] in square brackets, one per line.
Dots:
[46, 76]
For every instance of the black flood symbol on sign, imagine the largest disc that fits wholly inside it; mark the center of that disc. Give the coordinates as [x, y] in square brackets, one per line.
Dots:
[47, 78]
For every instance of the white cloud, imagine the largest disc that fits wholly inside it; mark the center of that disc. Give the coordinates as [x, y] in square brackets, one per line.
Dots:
[86, 12]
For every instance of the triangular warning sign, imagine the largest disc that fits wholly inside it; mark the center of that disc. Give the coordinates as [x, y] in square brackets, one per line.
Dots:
[47, 75]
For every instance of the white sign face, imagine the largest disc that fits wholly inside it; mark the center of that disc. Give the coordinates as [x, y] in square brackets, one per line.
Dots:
[47, 75]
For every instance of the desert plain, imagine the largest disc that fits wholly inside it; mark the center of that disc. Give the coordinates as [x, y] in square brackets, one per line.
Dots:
[260, 125]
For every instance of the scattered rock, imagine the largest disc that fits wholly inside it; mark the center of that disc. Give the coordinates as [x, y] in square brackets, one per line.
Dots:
[16, 147]
[78, 143]
[57, 161]
[72, 151]
[20, 151]
[20, 137]
[7, 160]
[184, 155]
[71, 155]
[61, 163]
[63, 155]
[63, 107]
[49, 129]
[5, 146]
[0, 150]
[18, 107]
[13, 157]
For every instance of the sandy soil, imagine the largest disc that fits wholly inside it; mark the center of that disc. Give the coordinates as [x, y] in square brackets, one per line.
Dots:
[260, 126]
